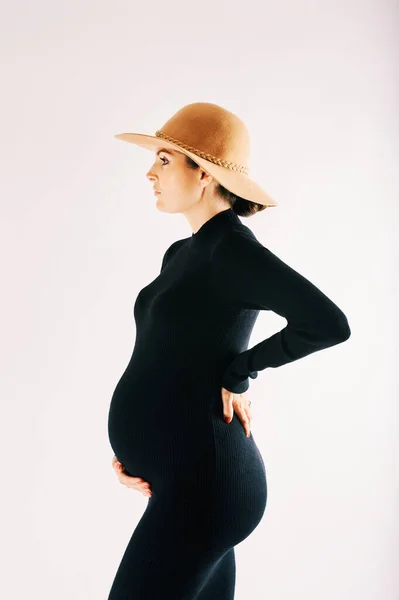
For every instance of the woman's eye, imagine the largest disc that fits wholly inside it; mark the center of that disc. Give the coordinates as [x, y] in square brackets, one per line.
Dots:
[162, 158]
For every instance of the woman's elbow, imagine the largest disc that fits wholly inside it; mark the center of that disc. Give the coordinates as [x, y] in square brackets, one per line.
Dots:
[337, 327]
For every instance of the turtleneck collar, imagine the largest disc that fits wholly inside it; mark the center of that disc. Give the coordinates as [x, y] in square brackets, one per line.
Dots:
[213, 227]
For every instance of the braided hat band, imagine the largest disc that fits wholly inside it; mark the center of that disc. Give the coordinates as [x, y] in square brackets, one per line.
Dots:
[205, 155]
[213, 137]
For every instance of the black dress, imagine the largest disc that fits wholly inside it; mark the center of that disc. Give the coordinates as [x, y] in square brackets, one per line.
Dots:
[166, 424]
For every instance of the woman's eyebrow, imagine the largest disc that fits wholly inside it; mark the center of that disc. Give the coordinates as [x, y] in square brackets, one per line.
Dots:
[166, 151]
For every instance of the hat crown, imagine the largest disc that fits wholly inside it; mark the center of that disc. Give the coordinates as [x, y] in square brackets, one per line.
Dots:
[211, 130]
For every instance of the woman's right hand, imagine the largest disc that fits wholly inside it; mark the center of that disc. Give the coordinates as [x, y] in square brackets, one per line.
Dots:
[136, 483]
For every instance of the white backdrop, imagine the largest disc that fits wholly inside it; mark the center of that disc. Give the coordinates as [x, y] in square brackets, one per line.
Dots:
[316, 83]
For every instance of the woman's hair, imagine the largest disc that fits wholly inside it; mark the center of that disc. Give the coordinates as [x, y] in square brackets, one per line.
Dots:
[241, 206]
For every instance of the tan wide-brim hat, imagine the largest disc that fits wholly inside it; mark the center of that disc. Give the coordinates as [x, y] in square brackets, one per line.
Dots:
[216, 139]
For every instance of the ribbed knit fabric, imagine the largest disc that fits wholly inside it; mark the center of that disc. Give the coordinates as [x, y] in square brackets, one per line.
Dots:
[165, 423]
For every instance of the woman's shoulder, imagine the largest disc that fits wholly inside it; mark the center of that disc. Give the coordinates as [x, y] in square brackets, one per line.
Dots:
[172, 249]
[176, 245]
[237, 240]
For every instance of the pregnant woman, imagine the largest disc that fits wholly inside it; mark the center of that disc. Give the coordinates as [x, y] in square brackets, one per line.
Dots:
[179, 419]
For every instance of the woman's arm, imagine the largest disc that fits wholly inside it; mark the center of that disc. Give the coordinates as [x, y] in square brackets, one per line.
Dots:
[248, 275]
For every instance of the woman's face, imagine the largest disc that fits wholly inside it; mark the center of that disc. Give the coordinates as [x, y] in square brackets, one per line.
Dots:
[179, 185]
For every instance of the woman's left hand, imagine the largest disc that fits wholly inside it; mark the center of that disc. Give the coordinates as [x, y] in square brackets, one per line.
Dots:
[239, 404]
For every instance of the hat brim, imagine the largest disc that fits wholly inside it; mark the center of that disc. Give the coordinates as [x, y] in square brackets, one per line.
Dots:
[234, 181]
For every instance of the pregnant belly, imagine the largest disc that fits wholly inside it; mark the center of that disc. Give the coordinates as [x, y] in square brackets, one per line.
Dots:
[174, 436]
[159, 429]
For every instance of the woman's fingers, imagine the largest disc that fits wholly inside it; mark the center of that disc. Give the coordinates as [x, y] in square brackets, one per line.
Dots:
[242, 415]
[239, 404]
[136, 483]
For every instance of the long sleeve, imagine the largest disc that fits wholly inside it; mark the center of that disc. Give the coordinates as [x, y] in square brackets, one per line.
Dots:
[248, 275]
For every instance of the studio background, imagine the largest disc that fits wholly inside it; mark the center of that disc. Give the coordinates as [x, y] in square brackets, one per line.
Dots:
[316, 83]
